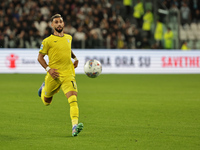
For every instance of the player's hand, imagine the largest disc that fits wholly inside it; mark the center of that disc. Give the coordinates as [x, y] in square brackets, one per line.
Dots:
[54, 73]
[75, 63]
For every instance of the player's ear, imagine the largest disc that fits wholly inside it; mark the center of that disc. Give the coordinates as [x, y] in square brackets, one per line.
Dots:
[52, 24]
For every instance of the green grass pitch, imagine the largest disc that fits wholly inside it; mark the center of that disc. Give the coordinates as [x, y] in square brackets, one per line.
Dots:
[133, 111]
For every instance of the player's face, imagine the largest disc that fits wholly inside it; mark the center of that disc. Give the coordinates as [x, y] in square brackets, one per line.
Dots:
[58, 24]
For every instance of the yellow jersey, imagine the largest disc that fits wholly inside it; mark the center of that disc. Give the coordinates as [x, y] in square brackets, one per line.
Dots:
[168, 37]
[147, 21]
[138, 10]
[58, 50]
[184, 47]
[158, 34]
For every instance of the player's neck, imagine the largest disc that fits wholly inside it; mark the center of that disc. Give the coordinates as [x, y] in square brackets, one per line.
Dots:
[58, 34]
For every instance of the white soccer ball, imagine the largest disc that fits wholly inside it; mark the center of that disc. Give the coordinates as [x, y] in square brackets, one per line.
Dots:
[92, 68]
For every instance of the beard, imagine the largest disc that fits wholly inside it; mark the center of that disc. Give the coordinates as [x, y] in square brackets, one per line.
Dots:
[59, 30]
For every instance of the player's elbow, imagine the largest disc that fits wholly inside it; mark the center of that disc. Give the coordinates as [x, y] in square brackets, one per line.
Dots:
[40, 57]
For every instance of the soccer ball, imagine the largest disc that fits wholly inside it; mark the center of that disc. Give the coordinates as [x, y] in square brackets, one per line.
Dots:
[92, 68]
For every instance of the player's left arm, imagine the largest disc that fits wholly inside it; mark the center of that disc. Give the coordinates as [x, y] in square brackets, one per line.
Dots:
[76, 60]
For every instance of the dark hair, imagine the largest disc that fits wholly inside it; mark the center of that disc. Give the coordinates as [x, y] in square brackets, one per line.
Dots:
[55, 16]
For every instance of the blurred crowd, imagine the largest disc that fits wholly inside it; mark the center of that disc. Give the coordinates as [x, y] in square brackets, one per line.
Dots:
[189, 9]
[160, 28]
[92, 23]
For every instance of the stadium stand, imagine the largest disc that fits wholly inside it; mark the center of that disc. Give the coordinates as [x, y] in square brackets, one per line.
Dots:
[100, 23]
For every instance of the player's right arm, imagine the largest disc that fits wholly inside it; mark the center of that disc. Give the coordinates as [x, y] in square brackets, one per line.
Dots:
[52, 72]
[76, 60]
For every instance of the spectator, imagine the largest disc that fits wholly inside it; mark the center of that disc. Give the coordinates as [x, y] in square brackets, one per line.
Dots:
[26, 27]
[173, 12]
[138, 13]
[105, 30]
[30, 41]
[69, 29]
[1, 39]
[194, 5]
[85, 9]
[103, 23]
[96, 31]
[120, 40]
[105, 13]
[176, 3]
[20, 41]
[45, 12]
[138, 39]
[196, 16]
[127, 4]
[119, 22]
[158, 34]
[1, 15]
[96, 41]
[105, 3]
[119, 10]
[16, 14]
[80, 15]
[6, 21]
[185, 14]
[168, 39]
[147, 22]
[145, 43]
[128, 38]
[184, 46]
[79, 38]
[113, 6]
[166, 3]
[41, 25]
[1, 27]
[111, 41]
[9, 13]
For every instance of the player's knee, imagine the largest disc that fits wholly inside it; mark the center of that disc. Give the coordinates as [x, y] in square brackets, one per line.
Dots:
[47, 101]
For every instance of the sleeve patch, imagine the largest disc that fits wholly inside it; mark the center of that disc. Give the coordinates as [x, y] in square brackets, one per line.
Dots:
[41, 47]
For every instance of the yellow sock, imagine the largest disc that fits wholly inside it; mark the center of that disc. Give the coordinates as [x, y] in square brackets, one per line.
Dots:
[74, 111]
[42, 97]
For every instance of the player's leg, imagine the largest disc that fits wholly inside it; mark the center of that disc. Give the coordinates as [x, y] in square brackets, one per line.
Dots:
[48, 89]
[70, 90]
[41, 93]
[74, 110]
[74, 113]
[46, 100]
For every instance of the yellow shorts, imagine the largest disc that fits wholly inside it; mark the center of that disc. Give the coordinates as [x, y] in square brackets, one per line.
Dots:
[52, 86]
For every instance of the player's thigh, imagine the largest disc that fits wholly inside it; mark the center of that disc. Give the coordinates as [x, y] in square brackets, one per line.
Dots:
[69, 85]
[51, 87]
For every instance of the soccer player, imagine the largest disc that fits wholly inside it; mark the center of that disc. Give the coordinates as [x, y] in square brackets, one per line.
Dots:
[60, 70]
